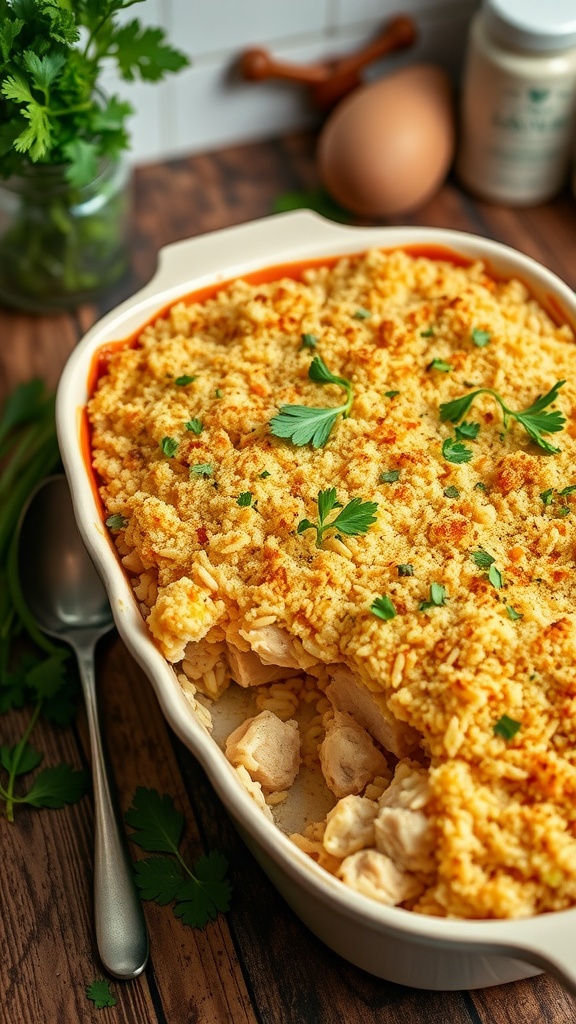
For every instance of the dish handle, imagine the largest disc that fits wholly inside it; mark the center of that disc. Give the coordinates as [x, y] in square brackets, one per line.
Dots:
[202, 256]
[553, 948]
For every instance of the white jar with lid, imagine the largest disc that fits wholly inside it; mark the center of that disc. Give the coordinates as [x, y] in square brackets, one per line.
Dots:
[519, 100]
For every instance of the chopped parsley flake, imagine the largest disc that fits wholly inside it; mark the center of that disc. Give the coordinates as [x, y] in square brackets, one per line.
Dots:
[264, 474]
[308, 340]
[184, 380]
[196, 426]
[169, 446]
[481, 487]
[437, 597]
[390, 476]
[455, 451]
[428, 333]
[218, 392]
[440, 364]
[482, 559]
[496, 578]
[383, 608]
[405, 569]
[362, 314]
[513, 614]
[202, 469]
[451, 492]
[391, 394]
[116, 522]
[480, 338]
[244, 499]
[507, 727]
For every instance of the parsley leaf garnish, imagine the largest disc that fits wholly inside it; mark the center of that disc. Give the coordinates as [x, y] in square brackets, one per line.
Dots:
[308, 341]
[354, 519]
[389, 476]
[185, 379]
[169, 446]
[506, 727]
[535, 421]
[195, 426]
[198, 893]
[495, 577]
[480, 338]
[467, 431]
[391, 394]
[362, 314]
[455, 451]
[244, 499]
[383, 608]
[305, 424]
[99, 993]
[428, 333]
[437, 597]
[264, 474]
[451, 492]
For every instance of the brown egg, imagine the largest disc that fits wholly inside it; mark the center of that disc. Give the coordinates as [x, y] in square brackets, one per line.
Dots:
[388, 146]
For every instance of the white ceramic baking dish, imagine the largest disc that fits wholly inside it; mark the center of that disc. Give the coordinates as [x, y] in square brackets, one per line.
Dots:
[392, 943]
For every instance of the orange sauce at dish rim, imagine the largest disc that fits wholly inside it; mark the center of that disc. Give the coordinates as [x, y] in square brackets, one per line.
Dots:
[101, 358]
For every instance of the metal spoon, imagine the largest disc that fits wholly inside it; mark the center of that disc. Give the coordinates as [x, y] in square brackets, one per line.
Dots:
[66, 596]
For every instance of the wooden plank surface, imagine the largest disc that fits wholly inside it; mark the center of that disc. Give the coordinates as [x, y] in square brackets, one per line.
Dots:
[258, 964]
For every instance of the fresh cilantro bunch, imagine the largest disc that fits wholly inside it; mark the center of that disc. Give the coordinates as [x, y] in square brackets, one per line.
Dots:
[52, 55]
[199, 893]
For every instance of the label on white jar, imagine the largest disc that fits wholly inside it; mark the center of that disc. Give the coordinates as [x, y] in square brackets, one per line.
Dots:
[516, 133]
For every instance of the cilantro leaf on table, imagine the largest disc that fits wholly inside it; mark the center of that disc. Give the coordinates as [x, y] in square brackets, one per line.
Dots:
[158, 826]
[99, 993]
[55, 787]
[305, 424]
[354, 519]
[198, 893]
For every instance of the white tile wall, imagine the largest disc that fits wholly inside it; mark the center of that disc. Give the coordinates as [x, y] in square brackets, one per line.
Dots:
[208, 105]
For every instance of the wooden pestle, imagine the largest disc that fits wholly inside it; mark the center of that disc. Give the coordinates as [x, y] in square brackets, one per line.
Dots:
[330, 80]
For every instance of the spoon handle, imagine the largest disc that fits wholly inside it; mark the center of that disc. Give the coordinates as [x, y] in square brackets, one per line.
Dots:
[121, 934]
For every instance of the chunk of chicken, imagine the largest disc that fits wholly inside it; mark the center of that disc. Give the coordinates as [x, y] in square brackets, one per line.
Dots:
[272, 645]
[375, 875]
[402, 830]
[268, 749]
[348, 757]
[350, 826]
[247, 669]
[348, 693]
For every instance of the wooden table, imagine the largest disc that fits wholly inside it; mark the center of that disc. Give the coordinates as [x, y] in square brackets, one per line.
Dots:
[258, 964]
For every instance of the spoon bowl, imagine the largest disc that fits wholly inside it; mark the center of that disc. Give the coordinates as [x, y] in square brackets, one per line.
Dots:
[62, 588]
[67, 598]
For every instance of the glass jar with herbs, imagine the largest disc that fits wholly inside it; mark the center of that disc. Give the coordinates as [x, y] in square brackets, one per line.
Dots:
[64, 183]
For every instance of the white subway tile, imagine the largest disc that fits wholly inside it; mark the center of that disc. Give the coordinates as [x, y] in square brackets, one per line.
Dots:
[213, 107]
[212, 26]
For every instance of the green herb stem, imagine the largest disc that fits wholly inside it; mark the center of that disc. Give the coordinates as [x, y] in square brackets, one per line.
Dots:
[16, 757]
